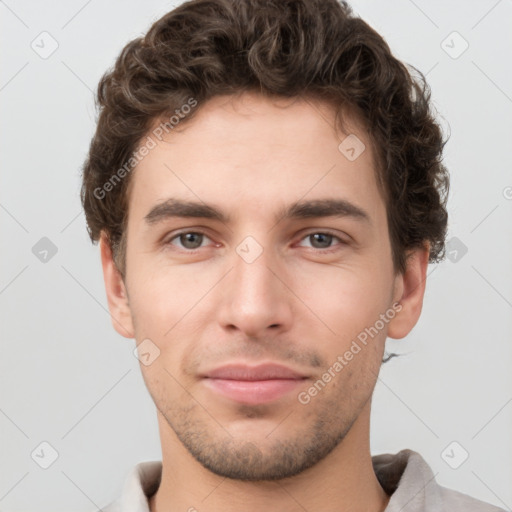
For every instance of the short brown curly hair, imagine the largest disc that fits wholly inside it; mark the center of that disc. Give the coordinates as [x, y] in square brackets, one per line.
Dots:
[282, 48]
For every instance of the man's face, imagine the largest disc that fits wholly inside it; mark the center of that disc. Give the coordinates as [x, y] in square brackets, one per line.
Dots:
[256, 288]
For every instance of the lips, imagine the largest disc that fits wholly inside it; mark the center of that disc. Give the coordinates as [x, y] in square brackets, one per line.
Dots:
[253, 384]
[252, 373]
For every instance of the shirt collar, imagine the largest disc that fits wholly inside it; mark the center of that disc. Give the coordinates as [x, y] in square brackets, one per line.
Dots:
[410, 482]
[142, 482]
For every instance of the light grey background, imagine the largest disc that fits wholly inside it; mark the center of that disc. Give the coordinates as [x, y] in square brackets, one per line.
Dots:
[68, 379]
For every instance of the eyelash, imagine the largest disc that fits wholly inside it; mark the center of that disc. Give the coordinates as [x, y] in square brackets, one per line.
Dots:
[199, 232]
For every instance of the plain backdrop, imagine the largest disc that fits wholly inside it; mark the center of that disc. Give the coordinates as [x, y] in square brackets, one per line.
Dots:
[69, 381]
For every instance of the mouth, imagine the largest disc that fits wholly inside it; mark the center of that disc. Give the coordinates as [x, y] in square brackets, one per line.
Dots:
[253, 385]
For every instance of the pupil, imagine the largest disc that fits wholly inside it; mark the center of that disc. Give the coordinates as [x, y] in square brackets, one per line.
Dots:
[189, 237]
[326, 239]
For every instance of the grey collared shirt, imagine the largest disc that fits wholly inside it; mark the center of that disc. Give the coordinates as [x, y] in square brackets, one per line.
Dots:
[404, 475]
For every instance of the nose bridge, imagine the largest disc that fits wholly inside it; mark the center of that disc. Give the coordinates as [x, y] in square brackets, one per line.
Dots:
[255, 298]
[251, 272]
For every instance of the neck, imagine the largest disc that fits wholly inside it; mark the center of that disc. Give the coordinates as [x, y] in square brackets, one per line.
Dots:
[342, 481]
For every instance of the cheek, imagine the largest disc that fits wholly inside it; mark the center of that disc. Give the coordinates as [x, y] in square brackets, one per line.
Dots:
[334, 301]
[167, 300]
[347, 298]
[164, 292]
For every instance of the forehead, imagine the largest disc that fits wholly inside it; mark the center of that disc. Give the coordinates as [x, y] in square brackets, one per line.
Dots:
[258, 154]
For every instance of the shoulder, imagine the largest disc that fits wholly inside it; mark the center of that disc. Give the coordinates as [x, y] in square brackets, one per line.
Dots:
[455, 500]
[115, 506]
[142, 482]
[409, 481]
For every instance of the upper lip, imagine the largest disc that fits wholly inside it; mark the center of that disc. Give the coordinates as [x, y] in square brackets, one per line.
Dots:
[267, 371]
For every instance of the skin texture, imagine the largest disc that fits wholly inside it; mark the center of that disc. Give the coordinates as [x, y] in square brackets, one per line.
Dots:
[301, 303]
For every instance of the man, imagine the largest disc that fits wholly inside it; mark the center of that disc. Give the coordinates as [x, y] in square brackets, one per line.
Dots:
[267, 189]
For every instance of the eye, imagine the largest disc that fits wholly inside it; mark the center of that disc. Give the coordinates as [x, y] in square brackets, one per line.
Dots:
[323, 240]
[189, 240]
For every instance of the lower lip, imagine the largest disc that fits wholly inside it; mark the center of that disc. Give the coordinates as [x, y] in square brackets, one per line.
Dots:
[253, 392]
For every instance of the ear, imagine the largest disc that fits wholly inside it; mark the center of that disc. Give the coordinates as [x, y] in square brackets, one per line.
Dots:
[117, 297]
[409, 292]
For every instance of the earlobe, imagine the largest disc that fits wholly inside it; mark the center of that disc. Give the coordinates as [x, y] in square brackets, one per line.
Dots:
[117, 297]
[410, 290]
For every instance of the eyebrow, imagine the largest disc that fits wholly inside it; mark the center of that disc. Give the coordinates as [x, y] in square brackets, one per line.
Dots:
[173, 207]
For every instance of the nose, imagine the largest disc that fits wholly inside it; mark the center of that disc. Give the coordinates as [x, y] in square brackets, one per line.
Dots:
[255, 299]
